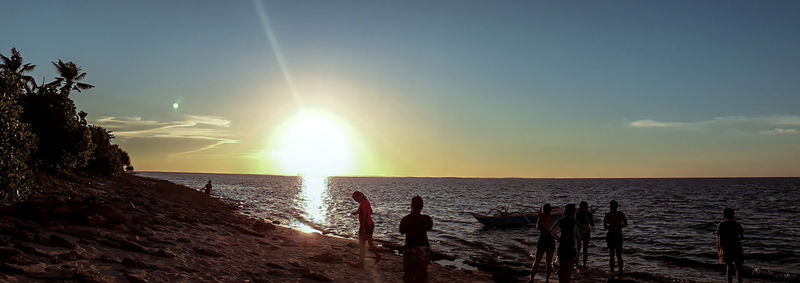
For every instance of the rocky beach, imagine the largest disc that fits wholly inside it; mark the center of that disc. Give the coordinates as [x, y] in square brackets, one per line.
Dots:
[135, 229]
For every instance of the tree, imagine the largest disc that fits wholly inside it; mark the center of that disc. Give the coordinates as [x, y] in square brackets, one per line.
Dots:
[70, 77]
[15, 65]
[16, 139]
[106, 158]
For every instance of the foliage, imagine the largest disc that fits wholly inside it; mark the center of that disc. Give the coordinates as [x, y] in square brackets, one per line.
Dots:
[16, 139]
[107, 159]
[70, 77]
[63, 142]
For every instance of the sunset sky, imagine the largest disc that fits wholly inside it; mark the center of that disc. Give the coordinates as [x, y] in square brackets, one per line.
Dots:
[433, 88]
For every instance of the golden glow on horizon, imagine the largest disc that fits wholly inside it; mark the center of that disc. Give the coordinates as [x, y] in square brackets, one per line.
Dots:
[314, 143]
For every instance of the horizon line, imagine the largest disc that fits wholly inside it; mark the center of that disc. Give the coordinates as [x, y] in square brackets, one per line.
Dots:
[478, 177]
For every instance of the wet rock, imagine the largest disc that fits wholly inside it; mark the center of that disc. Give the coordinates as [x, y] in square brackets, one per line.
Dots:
[318, 277]
[279, 273]
[327, 258]
[8, 252]
[276, 222]
[208, 252]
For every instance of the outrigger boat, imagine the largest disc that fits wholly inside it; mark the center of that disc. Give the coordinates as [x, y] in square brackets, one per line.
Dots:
[503, 218]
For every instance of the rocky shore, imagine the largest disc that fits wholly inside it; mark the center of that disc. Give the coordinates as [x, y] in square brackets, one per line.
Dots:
[135, 229]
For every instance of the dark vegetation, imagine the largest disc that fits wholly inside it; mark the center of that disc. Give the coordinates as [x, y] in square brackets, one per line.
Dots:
[42, 136]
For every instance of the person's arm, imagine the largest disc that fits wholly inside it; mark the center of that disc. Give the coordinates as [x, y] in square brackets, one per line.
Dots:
[429, 225]
[591, 219]
[605, 222]
[403, 226]
[741, 232]
[576, 231]
[555, 229]
[624, 220]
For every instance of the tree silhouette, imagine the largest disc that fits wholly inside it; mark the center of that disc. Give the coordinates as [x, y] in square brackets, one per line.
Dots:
[15, 65]
[70, 77]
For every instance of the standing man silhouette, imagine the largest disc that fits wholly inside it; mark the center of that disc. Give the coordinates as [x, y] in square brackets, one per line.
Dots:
[416, 251]
[614, 221]
[208, 188]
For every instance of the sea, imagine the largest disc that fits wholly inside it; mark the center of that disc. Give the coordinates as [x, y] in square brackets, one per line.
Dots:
[670, 237]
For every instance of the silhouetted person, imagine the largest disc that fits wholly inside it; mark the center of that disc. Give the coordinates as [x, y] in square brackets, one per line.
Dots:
[546, 243]
[614, 221]
[207, 188]
[365, 227]
[416, 250]
[729, 242]
[569, 232]
[586, 221]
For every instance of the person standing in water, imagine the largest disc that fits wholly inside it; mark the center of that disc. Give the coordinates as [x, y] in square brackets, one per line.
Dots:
[586, 221]
[416, 251]
[365, 227]
[207, 188]
[569, 232]
[614, 221]
[729, 243]
[546, 243]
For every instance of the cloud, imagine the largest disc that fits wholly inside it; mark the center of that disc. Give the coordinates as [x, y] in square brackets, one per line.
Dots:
[209, 128]
[779, 131]
[779, 124]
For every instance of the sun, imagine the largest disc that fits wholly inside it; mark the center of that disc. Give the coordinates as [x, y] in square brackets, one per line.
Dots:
[314, 143]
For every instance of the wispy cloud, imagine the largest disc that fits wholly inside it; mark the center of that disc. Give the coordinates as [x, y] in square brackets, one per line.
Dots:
[209, 128]
[779, 131]
[777, 124]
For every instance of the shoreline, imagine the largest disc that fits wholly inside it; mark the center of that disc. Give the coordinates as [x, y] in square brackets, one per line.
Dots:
[139, 229]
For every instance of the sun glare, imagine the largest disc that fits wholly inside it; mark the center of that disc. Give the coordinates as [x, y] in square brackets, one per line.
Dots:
[314, 143]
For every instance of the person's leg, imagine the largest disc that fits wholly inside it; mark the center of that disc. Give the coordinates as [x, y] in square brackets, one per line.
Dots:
[374, 249]
[549, 265]
[578, 255]
[362, 249]
[619, 259]
[729, 271]
[585, 250]
[739, 271]
[536, 261]
[408, 268]
[565, 271]
[422, 272]
[611, 255]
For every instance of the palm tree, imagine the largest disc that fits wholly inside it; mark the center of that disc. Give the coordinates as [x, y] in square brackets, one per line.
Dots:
[15, 65]
[70, 75]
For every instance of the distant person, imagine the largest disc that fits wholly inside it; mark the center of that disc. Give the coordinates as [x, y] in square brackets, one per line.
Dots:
[729, 243]
[546, 243]
[365, 227]
[586, 221]
[614, 221]
[207, 188]
[569, 232]
[416, 251]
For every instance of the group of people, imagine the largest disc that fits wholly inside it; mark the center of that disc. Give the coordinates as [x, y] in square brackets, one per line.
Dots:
[415, 226]
[572, 231]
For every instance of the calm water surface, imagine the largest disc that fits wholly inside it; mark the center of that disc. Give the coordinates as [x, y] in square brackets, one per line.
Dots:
[671, 221]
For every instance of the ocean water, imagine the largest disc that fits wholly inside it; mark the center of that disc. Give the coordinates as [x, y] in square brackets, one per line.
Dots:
[670, 236]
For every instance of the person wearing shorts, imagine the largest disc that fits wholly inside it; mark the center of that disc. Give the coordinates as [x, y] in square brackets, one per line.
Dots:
[614, 221]
[365, 227]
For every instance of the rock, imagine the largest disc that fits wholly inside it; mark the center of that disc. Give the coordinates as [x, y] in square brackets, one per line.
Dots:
[9, 268]
[55, 274]
[275, 265]
[8, 252]
[279, 273]
[131, 246]
[112, 214]
[165, 253]
[262, 226]
[131, 262]
[327, 258]
[276, 222]
[135, 278]
[71, 255]
[89, 277]
[300, 270]
[208, 252]
[96, 220]
[56, 240]
[318, 277]
[184, 240]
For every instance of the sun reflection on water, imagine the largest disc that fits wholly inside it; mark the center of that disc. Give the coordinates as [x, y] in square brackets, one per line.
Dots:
[314, 191]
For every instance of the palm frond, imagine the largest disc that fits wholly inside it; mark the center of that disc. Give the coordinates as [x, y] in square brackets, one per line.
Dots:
[82, 86]
[80, 77]
[28, 68]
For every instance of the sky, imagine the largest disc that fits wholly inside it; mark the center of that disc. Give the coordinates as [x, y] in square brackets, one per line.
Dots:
[543, 89]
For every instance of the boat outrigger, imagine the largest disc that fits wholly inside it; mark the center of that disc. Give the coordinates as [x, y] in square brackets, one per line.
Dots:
[503, 218]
